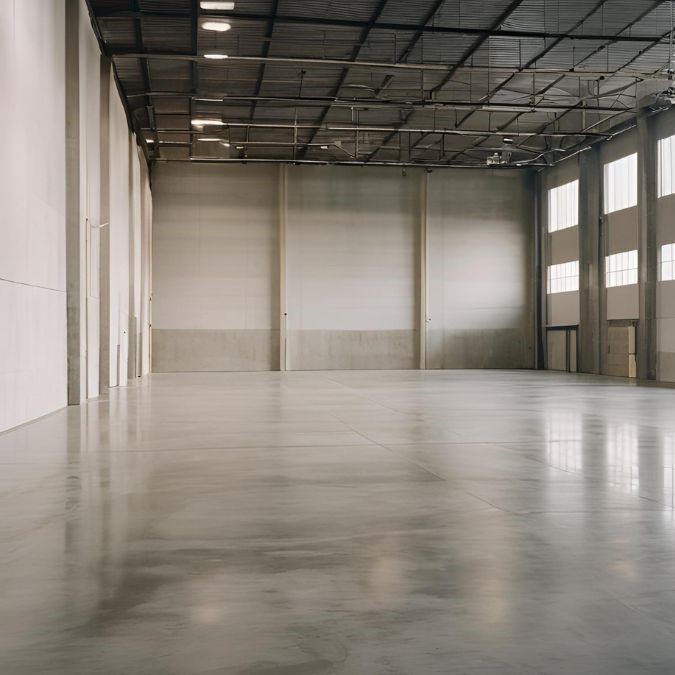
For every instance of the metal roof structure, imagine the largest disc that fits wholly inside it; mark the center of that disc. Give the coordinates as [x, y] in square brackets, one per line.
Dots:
[404, 82]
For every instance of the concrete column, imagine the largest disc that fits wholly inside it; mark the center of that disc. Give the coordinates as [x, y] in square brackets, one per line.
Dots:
[540, 270]
[424, 270]
[593, 324]
[648, 256]
[283, 300]
[74, 244]
[132, 359]
[104, 271]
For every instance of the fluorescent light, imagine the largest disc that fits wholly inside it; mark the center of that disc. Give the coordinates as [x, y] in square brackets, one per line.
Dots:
[206, 4]
[208, 123]
[209, 140]
[218, 26]
[225, 144]
[216, 57]
[209, 100]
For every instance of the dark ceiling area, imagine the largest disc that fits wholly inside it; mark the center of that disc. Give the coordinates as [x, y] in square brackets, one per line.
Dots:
[430, 82]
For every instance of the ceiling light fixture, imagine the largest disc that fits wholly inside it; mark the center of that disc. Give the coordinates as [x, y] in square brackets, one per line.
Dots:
[218, 26]
[224, 6]
[209, 140]
[216, 57]
[208, 123]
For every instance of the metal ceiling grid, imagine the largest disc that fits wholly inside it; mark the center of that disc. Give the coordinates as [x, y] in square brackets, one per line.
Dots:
[430, 82]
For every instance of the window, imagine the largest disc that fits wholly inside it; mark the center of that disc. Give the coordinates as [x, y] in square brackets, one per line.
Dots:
[563, 206]
[668, 262]
[622, 269]
[621, 184]
[666, 166]
[563, 278]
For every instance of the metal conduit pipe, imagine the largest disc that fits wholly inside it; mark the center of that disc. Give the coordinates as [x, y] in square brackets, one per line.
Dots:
[379, 129]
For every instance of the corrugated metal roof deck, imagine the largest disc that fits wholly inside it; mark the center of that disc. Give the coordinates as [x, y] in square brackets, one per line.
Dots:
[426, 82]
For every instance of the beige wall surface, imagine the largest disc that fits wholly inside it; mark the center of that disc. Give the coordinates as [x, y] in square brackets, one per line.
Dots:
[352, 253]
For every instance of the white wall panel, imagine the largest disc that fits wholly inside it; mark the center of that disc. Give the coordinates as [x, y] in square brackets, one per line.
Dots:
[352, 253]
[120, 214]
[215, 288]
[352, 242]
[480, 262]
[33, 377]
[90, 201]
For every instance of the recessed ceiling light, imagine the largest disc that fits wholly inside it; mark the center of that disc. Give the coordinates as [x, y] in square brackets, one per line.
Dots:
[207, 4]
[216, 57]
[208, 123]
[218, 26]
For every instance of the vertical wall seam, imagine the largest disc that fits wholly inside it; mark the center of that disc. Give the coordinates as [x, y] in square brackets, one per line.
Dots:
[283, 299]
[424, 271]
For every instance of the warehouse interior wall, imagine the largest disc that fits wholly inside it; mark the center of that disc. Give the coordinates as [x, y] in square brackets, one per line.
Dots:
[339, 268]
[215, 262]
[624, 331]
[352, 242]
[90, 186]
[33, 364]
[481, 290]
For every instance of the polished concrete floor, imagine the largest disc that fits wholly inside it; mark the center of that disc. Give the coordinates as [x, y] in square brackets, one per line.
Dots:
[363, 523]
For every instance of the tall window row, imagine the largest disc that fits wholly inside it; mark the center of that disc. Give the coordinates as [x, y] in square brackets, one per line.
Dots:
[621, 269]
[563, 278]
[620, 191]
[621, 183]
[563, 206]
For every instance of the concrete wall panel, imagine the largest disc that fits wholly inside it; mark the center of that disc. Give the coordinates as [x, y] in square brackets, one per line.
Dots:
[622, 231]
[564, 245]
[563, 309]
[481, 295]
[623, 302]
[207, 350]
[353, 268]
[352, 251]
[215, 268]
[33, 373]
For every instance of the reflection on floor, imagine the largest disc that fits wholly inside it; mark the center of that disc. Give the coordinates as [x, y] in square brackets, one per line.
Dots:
[360, 523]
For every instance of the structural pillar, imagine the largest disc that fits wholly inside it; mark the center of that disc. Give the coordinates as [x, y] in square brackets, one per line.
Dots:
[591, 263]
[283, 300]
[104, 243]
[424, 271]
[74, 231]
[540, 262]
[648, 255]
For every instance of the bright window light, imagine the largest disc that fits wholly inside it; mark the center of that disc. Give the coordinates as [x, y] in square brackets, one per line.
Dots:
[207, 123]
[621, 269]
[218, 26]
[563, 278]
[563, 206]
[621, 184]
[216, 57]
[667, 166]
[206, 4]
[668, 262]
